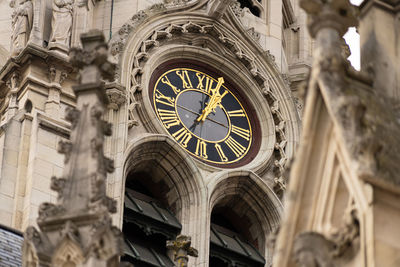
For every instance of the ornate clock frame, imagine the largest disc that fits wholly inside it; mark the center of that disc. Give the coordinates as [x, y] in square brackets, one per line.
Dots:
[254, 145]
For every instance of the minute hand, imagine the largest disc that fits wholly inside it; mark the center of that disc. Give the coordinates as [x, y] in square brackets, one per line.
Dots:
[214, 101]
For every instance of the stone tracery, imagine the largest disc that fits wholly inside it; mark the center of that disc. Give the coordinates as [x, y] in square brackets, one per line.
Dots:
[166, 33]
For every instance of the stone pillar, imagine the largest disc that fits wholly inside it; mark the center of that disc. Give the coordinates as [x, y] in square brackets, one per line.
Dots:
[328, 21]
[182, 249]
[77, 231]
[380, 45]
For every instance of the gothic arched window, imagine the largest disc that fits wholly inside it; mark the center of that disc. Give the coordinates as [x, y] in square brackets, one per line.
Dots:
[148, 223]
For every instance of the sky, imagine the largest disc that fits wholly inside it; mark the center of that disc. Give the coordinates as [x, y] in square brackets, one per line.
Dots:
[353, 40]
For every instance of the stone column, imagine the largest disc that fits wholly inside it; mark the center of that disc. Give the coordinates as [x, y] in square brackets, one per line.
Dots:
[380, 45]
[182, 249]
[77, 230]
[328, 21]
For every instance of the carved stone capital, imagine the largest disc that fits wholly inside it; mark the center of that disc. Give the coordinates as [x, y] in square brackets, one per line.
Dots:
[116, 97]
[336, 14]
[182, 249]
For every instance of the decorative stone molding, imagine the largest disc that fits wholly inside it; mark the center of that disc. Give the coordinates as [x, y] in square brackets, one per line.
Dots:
[77, 230]
[237, 10]
[182, 249]
[255, 35]
[176, 2]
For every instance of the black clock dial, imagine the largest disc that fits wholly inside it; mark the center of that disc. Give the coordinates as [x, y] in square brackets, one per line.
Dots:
[202, 115]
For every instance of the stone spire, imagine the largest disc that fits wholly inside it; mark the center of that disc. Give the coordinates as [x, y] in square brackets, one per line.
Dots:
[77, 231]
[380, 45]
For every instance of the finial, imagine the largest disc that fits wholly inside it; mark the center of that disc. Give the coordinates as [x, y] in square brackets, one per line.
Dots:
[337, 14]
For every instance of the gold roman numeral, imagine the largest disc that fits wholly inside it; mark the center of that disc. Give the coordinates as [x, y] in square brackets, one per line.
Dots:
[168, 117]
[201, 78]
[241, 132]
[201, 149]
[235, 146]
[184, 75]
[166, 81]
[166, 100]
[209, 83]
[183, 136]
[221, 153]
[236, 113]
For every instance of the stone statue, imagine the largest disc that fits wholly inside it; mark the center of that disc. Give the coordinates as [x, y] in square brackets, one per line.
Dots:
[61, 24]
[21, 22]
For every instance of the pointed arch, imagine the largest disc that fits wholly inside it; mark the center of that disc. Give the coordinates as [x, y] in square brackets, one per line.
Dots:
[146, 41]
[69, 253]
[163, 157]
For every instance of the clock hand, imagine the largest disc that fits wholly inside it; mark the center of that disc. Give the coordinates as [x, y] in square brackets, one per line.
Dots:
[195, 121]
[197, 113]
[215, 100]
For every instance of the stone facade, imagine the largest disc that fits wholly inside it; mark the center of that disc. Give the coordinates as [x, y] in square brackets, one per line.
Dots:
[342, 200]
[267, 53]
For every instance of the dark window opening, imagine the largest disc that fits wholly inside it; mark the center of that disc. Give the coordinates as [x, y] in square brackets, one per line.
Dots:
[229, 241]
[248, 3]
[148, 223]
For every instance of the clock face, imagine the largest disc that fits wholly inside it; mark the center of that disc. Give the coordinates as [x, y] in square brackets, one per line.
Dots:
[203, 115]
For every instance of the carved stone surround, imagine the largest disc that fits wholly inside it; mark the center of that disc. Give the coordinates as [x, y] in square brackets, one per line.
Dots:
[166, 33]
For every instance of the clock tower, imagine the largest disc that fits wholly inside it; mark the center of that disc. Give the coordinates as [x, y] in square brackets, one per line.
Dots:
[212, 122]
[204, 107]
